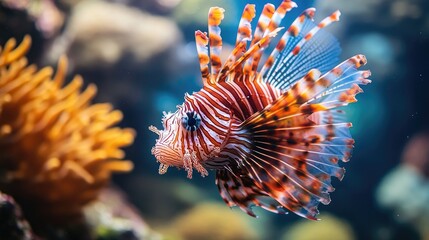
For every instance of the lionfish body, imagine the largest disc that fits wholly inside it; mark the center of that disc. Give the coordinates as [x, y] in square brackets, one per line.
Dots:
[272, 132]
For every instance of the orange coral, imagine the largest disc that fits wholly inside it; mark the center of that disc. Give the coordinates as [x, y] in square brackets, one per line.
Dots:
[56, 149]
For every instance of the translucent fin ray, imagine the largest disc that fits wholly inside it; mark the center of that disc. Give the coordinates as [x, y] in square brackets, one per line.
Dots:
[306, 46]
[244, 32]
[216, 15]
[299, 139]
[201, 41]
[251, 64]
[244, 193]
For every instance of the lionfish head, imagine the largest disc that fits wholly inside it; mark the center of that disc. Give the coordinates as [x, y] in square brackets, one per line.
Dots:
[168, 149]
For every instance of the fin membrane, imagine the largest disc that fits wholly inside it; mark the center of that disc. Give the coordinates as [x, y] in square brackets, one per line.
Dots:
[296, 144]
[304, 46]
[243, 192]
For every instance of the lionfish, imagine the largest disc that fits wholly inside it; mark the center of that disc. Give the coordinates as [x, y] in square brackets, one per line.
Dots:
[273, 134]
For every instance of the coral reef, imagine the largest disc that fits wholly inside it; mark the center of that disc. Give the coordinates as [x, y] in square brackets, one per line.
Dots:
[57, 150]
[211, 221]
[328, 228]
[48, 18]
[176, 196]
[405, 190]
[113, 217]
[92, 39]
[416, 154]
[13, 226]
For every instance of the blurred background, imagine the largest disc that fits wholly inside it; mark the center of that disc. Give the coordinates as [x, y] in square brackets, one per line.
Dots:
[141, 55]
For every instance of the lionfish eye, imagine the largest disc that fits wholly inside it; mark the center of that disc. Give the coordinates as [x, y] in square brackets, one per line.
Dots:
[191, 121]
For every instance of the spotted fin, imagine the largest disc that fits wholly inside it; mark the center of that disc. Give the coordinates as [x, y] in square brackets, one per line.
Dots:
[295, 143]
[244, 32]
[235, 67]
[343, 83]
[243, 192]
[273, 23]
[230, 67]
[293, 160]
[279, 14]
[201, 41]
[263, 21]
[216, 15]
[304, 46]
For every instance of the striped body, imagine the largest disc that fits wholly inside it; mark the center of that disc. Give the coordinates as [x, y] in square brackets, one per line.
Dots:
[223, 106]
[271, 132]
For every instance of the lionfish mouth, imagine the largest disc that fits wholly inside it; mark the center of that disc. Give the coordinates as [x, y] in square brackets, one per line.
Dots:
[165, 155]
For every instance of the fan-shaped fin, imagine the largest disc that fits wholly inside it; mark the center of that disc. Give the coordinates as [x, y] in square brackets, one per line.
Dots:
[344, 80]
[296, 30]
[297, 141]
[230, 66]
[273, 24]
[260, 45]
[305, 46]
[243, 192]
[292, 157]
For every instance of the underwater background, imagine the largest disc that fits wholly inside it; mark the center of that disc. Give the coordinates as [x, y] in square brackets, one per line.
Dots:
[141, 56]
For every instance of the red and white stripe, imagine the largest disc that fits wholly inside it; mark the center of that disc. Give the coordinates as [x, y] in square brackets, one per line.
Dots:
[223, 107]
